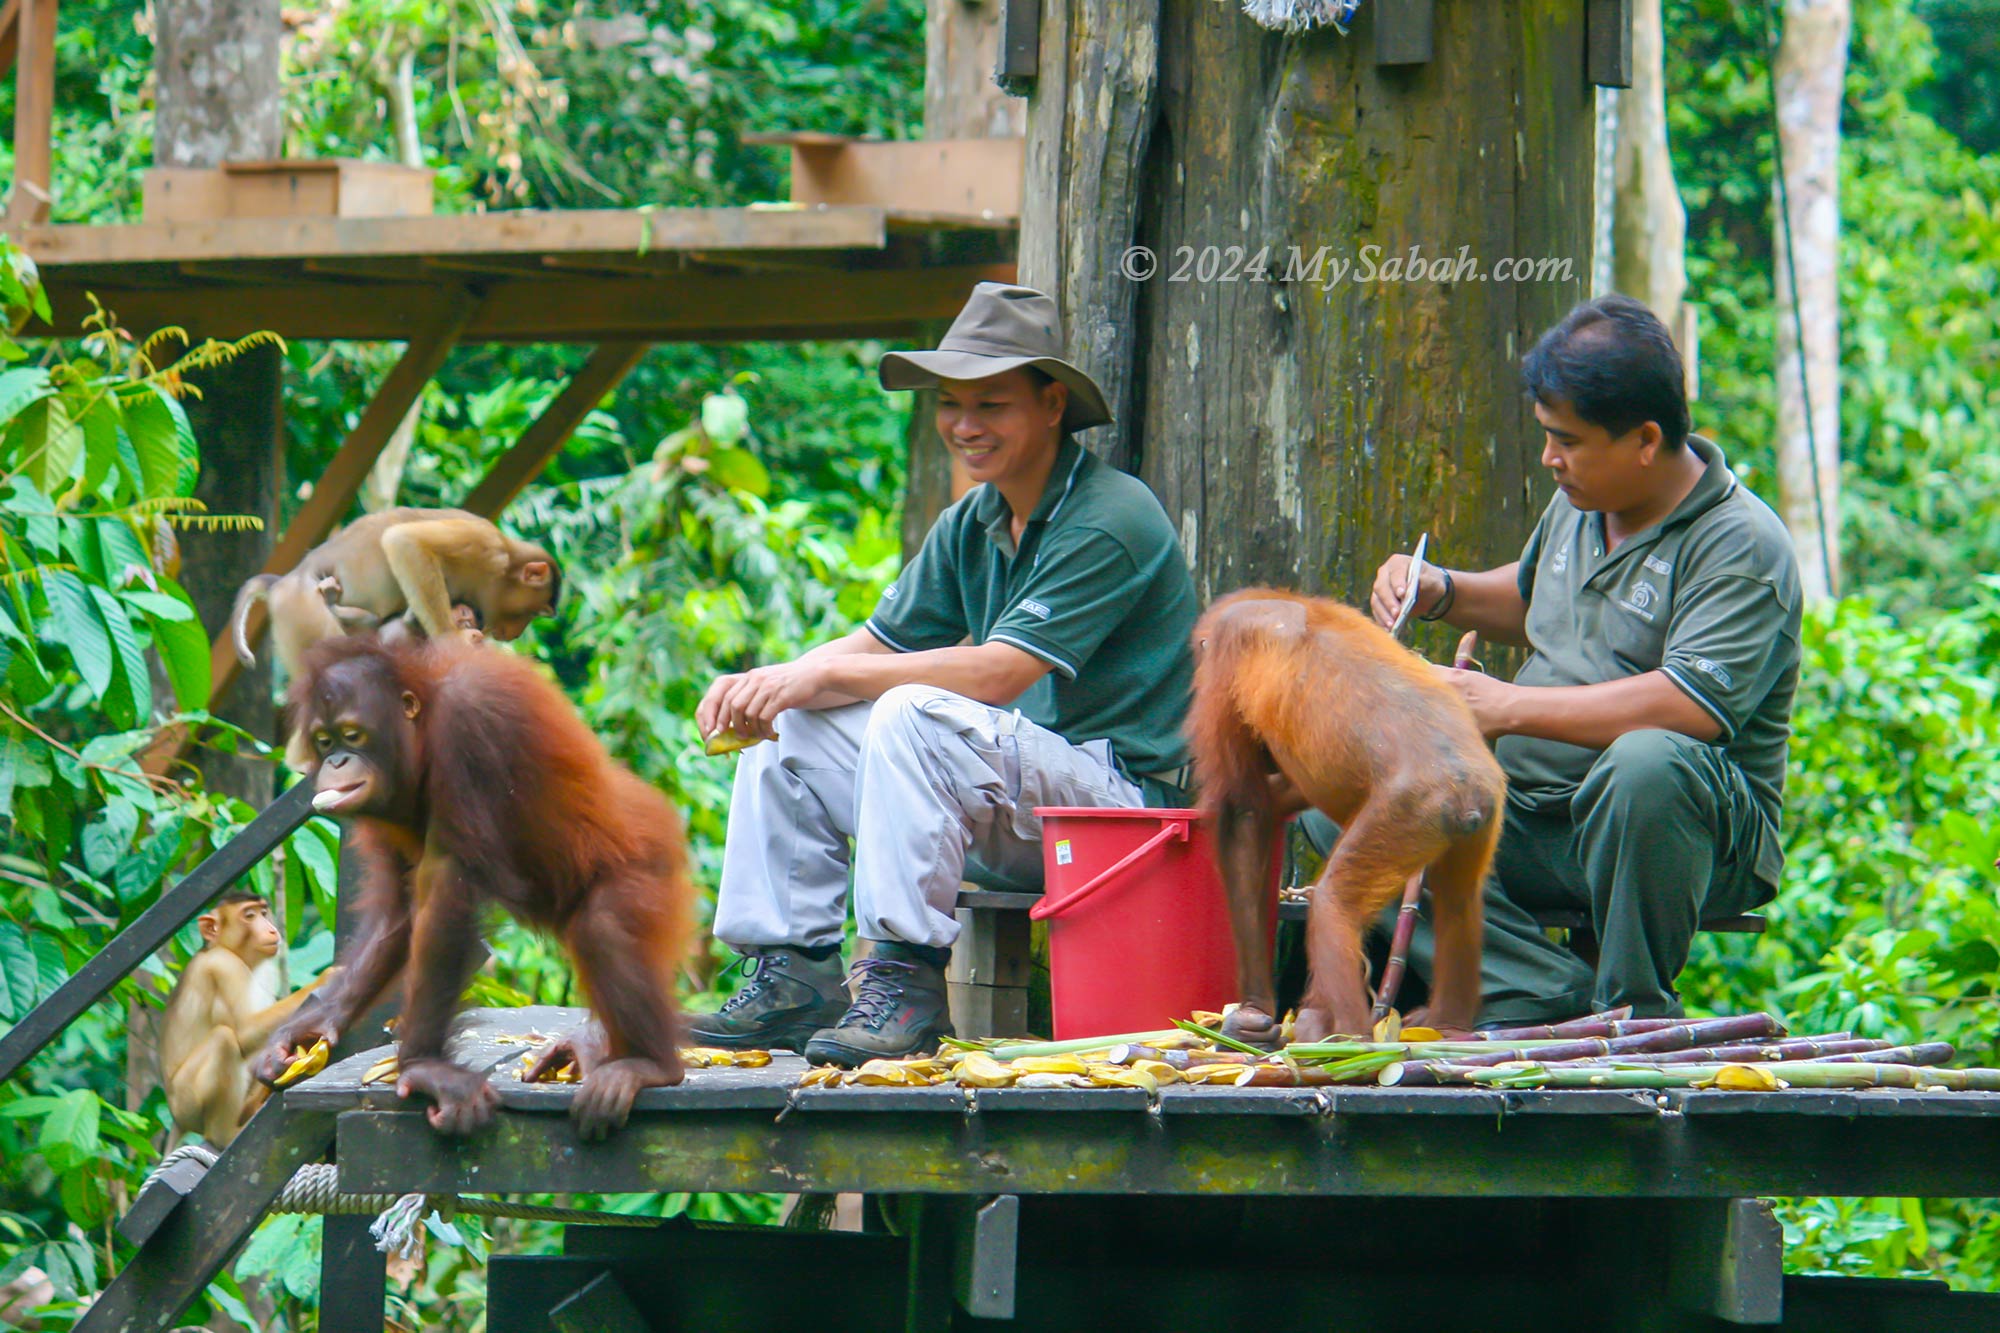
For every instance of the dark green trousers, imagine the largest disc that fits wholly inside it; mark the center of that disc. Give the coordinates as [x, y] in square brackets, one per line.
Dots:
[1662, 832]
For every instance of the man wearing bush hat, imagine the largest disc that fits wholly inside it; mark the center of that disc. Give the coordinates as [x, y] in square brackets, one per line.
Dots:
[1034, 653]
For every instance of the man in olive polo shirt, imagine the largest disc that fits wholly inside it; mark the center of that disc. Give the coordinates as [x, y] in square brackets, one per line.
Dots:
[1034, 653]
[1644, 741]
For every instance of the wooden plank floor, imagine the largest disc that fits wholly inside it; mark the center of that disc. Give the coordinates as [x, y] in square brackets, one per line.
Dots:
[731, 1129]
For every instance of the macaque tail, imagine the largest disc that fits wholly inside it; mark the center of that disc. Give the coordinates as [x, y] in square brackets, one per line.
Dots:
[256, 589]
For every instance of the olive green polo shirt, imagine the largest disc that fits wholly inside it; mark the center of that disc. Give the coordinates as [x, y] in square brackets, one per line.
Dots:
[1710, 597]
[1098, 589]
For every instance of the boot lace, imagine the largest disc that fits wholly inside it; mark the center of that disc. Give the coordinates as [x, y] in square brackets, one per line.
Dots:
[757, 975]
[876, 991]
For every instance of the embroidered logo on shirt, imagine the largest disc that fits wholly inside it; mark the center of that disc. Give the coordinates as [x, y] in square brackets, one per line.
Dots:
[1561, 562]
[1641, 598]
[1034, 608]
[891, 593]
[1658, 566]
[1715, 669]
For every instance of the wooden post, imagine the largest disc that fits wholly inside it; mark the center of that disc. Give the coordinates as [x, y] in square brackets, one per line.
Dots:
[1301, 427]
[215, 74]
[544, 438]
[34, 33]
[963, 41]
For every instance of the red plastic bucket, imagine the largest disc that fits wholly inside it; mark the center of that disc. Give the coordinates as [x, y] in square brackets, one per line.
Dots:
[1138, 919]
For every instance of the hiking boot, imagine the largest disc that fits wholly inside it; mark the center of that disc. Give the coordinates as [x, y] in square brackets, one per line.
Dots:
[787, 996]
[899, 1008]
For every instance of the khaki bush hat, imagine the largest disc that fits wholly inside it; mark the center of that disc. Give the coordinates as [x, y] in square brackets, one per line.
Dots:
[1001, 327]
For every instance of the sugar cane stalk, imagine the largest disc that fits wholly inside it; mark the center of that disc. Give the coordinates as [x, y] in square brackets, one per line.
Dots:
[1399, 950]
[1801, 1074]
[1794, 1048]
[1923, 1053]
[1591, 1025]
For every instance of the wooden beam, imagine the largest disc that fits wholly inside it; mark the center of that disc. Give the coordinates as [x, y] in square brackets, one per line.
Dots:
[463, 235]
[677, 307]
[1608, 43]
[336, 488]
[521, 464]
[10, 34]
[1403, 33]
[34, 114]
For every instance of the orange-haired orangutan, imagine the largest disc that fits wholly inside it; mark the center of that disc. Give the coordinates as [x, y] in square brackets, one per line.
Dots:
[466, 778]
[1301, 701]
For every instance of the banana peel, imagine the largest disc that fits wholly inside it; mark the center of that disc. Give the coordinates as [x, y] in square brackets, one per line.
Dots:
[827, 1076]
[1050, 1064]
[728, 741]
[714, 1057]
[1118, 1076]
[1212, 1074]
[888, 1074]
[1161, 1071]
[980, 1070]
[1744, 1078]
[383, 1070]
[305, 1063]
[1052, 1081]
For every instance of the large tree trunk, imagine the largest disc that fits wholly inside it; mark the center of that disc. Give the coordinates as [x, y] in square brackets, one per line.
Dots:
[961, 101]
[1649, 224]
[1299, 432]
[1811, 68]
[216, 67]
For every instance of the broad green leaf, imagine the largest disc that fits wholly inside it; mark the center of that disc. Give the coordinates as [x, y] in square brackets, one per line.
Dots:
[83, 1198]
[108, 836]
[80, 547]
[315, 853]
[158, 605]
[70, 1132]
[739, 470]
[100, 440]
[184, 650]
[18, 988]
[30, 1107]
[725, 417]
[19, 388]
[136, 685]
[51, 444]
[123, 551]
[44, 531]
[11, 628]
[154, 422]
[147, 866]
[49, 968]
[81, 629]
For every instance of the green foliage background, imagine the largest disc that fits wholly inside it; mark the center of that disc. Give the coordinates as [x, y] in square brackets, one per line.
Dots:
[733, 504]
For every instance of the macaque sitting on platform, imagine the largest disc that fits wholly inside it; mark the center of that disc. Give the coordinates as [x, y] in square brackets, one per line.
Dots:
[419, 561]
[218, 1017]
[1300, 701]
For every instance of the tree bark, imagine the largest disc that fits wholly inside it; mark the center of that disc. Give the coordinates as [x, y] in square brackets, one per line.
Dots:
[1298, 432]
[961, 101]
[1810, 71]
[216, 67]
[1649, 224]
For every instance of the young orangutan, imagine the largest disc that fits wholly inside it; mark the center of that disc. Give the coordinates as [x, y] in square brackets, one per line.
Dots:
[466, 778]
[1301, 701]
[218, 1016]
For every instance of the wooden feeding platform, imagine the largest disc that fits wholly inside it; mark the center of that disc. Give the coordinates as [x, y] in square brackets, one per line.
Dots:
[780, 271]
[1210, 1207]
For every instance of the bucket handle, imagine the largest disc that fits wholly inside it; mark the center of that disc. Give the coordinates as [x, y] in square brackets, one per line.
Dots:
[1172, 830]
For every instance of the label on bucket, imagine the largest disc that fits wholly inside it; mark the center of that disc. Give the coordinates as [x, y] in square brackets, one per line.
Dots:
[1063, 856]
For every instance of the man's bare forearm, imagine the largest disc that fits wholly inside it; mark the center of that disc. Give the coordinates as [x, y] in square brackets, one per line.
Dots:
[1489, 601]
[994, 673]
[856, 641]
[1593, 716]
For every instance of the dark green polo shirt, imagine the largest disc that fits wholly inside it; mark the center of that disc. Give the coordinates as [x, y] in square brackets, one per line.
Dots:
[1098, 589]
[1710, 596]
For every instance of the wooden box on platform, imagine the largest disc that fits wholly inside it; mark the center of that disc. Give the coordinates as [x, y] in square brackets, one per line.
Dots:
[963, 177]
[333, 187]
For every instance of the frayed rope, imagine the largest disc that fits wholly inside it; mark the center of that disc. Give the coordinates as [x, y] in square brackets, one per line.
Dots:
[1302, 15]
